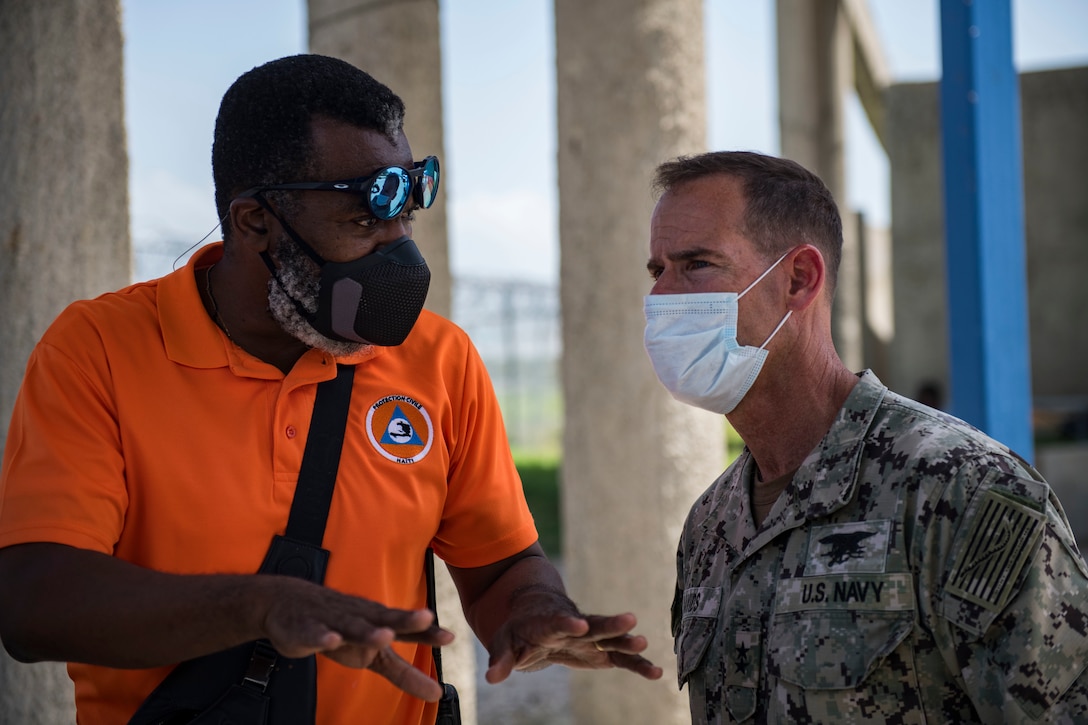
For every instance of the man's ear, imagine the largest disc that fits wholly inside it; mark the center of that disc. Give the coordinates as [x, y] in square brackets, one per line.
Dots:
[249, 223]
[808, 275]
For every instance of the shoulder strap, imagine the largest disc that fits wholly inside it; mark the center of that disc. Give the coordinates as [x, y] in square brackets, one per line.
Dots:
[432, 604]
[298, 552]
[317, 478]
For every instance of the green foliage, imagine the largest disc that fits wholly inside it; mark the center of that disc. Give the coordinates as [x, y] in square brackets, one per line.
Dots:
[540, 480]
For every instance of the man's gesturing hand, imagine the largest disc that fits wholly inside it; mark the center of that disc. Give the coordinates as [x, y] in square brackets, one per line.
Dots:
[551, 631]
[304, 619]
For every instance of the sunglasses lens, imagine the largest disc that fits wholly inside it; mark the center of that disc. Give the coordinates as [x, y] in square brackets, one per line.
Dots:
[389, 192]
[428, 182]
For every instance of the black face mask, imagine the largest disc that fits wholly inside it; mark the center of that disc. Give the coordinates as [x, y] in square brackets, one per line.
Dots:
[375, 299]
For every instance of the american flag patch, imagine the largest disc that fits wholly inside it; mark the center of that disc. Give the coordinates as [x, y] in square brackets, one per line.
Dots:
[999, 544]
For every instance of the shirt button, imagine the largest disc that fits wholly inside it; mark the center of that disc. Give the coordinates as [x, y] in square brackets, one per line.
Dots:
[291, 432]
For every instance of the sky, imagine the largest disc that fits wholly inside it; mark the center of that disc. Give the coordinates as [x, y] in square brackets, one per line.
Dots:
[181, 57]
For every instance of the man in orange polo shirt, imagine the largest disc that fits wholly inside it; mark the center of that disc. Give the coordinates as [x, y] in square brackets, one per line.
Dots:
[159, 434]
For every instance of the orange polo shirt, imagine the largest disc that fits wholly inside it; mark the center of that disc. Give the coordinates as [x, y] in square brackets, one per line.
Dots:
[141, 431]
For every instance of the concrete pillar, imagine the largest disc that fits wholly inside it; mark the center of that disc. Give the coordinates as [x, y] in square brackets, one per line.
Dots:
[631, 93]
[919, 350]
[1055, 139]
[815, 72]
[398, 44]
[63, 219]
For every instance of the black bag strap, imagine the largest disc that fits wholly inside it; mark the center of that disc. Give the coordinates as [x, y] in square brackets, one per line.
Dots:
[449, 707]
[298, 552]
[432, 604]
[321, 458]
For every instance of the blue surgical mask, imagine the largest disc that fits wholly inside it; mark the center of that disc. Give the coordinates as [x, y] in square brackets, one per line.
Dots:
[692, 343]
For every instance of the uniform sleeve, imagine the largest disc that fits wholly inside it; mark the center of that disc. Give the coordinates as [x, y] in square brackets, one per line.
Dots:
[1015, 600]
[485, 518]
[63, 475]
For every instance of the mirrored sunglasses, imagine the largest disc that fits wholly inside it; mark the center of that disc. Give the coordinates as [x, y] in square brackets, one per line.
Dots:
[386, 191]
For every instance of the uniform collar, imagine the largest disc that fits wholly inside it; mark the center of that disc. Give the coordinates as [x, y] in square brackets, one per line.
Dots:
[824, 483]
[826, 479]
[193, 339]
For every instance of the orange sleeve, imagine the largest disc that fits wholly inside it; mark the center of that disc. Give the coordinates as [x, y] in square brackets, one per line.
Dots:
[63, 476]
[486, 517]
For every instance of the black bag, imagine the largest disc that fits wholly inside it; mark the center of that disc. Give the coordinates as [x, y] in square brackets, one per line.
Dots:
[449, 707]
[251, 684]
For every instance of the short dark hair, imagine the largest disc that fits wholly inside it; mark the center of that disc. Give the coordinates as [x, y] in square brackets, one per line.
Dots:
[784, 201]
[263, 131]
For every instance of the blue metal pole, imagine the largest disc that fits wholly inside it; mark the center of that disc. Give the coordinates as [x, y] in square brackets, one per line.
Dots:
[984, 222]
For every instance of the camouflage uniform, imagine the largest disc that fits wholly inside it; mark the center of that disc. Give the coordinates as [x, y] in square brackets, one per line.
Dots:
[914, 571]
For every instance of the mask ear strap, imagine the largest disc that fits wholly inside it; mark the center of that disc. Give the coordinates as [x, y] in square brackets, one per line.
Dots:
[760, 277]
[310, 252]
[775, 331]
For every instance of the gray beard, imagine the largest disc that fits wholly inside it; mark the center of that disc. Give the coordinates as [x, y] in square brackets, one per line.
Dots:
[300, 279]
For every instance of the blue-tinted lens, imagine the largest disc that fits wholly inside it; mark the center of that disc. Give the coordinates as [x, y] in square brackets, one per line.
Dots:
[389, 192]
[428, 182]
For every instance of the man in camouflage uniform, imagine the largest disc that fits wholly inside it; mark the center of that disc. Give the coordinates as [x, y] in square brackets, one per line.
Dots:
[866, 558]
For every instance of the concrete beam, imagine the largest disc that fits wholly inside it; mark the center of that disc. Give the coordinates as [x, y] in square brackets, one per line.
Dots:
[871, 74]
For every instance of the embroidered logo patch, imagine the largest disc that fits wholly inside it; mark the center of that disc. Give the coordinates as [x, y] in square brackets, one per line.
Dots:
[859, 546]
[999, 543]
[400, 429]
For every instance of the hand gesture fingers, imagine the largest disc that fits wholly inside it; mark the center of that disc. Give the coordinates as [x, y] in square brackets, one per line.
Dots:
[405, 625]
[637, 664]
[615, 626]
[610, 636]
[387, 663]
[303, 618]
[526, 644]
[307, 619]
[591, 642]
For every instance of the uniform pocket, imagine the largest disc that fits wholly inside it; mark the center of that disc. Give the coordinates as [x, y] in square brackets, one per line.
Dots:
[834, 649]
[698, 623]
[830, 632]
